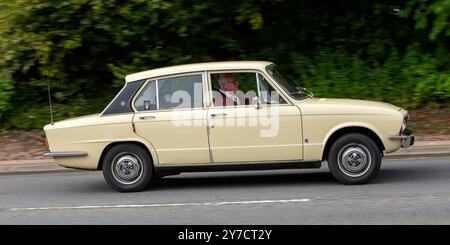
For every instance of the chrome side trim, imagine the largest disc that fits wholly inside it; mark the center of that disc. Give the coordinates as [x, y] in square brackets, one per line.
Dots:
[66, 154]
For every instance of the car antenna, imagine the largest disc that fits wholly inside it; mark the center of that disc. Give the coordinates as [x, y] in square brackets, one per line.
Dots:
[49, 99]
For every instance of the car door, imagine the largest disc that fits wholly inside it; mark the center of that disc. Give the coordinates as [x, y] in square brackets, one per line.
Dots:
[170, 114]
[251, 131]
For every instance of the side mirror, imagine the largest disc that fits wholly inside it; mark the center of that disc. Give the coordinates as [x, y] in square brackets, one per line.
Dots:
[257, 101]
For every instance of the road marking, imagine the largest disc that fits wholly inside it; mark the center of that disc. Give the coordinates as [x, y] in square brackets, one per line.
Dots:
[165, 205]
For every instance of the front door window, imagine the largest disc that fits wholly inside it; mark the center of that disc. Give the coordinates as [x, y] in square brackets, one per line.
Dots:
[242, 88]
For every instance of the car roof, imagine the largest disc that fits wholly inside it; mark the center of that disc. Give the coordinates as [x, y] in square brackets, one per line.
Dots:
[209, 66]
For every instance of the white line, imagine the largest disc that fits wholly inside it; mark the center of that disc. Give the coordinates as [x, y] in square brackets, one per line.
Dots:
[164, 205]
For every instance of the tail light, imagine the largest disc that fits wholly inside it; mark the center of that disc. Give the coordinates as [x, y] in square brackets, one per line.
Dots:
[45, 143]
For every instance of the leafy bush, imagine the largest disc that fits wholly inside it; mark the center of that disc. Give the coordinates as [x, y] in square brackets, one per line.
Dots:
[415, 79]
[352, 49]
[5, 91]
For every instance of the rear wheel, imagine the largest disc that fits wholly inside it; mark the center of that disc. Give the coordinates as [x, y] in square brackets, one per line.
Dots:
[127, 167]
[354, 159]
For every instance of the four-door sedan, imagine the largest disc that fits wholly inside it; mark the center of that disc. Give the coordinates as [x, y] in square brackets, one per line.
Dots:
[225, 116]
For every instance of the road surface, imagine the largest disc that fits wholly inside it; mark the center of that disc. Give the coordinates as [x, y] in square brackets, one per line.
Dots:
[406, 191]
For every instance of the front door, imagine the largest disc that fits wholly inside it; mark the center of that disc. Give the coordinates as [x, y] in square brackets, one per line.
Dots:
[249, 121]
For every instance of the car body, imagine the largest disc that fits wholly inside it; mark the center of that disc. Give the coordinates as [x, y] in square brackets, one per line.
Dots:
[144, 134]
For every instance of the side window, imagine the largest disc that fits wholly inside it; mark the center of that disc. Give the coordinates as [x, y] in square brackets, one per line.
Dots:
[122, 102]
[171, 93]
[242, 88]
[181, 92]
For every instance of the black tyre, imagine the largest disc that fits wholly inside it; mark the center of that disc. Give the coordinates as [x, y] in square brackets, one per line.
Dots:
[354, 159]
[127, 168]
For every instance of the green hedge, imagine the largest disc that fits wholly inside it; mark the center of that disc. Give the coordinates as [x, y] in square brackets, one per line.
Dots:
[349, 49]
[412, 80]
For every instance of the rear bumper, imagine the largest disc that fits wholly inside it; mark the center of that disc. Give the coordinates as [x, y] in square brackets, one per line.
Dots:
[66, 154]
[407, 140]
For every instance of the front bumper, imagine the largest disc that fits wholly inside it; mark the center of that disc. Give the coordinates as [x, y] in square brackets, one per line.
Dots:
[407, 140]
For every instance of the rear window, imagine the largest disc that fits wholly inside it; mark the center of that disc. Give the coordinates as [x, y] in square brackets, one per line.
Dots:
[122, 102]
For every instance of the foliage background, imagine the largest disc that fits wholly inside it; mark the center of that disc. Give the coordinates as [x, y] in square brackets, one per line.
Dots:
[393, 51]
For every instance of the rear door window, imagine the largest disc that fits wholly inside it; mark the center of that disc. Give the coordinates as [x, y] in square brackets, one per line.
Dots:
[179, 92]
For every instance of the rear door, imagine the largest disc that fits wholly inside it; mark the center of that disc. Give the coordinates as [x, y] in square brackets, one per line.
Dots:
[171, 115]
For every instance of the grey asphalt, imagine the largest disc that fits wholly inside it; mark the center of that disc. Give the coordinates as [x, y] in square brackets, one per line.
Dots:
[419, 149]
[406, 191]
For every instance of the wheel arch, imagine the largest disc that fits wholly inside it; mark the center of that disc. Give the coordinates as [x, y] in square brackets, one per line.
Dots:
[150, 151]
[336, 134]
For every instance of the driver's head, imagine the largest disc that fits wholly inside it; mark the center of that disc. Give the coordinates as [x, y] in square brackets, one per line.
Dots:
[229, 82]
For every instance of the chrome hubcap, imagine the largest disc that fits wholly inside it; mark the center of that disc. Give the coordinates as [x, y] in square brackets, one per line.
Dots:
[354, 160]
[127, 168]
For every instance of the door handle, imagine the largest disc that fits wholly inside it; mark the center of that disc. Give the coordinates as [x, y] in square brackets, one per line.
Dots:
[145, 117]
[218, 114]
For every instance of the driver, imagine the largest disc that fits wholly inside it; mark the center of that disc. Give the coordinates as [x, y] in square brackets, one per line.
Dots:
[229, 84]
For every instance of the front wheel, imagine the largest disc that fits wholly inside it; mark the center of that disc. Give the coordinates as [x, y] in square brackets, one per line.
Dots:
[127, 167]
[354, 159]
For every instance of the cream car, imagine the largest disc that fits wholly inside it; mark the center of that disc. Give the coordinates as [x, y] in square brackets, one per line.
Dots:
[225, 116]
